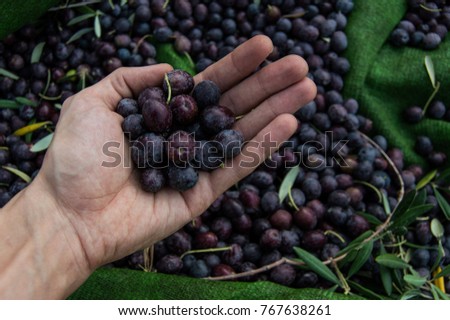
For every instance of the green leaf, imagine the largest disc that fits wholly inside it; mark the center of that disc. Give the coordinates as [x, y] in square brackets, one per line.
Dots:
[9, 104]
[18, 173]
[29, 135]
[391, 261]
[350, 256]
[411, 294]
[165, 52]
[437, 229]
[97, 26]
[429, 65]
[30, 128]
[370, 218]
[362, 256]
[58, 106]
[437, 293]
[386, 206]
[77, 35]
[444, 175]
[81, 18]
[440, 254]
[123, 2]
[288, 183]
[356, 242]
[420, 198]
[411, 215]
[37, 52]
[316, 265]
[404, 205]
[434, 292]
[42, 144]
[26, 101]
[8, 74]
[414, 280]
[385, 274]
[371, 186]
[445, 207]
[365, 291]
[445, 272]
[426, 180]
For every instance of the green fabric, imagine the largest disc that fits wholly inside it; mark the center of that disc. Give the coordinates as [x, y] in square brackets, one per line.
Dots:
[386, 80]
[14, 14]
[128, 284]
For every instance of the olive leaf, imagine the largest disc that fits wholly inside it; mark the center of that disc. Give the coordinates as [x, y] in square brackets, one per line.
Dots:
[47, 84]
[410, 215]
[444, 175]
[420, 198]
[437, 229]
[429, 65]
[440, 254]
[8, 74]
[77, 35]
[404, 204]
[316, 265]
[365, 291]
[26, 101]
[411, 294]
[37, 52]
[363, 254]
[414, 280]
[97, 26]
[356, 242]
[288, 183]
[386, 206]
[18, 173]
[391, 261]
[42, 144]
[443, 273]
[30, 128]
[9, 104]
[426, 180]
[370, 218]
[437, 293]
[445, 207]
[81, 18]
[385, 274]
[29, 135]
[371, 186]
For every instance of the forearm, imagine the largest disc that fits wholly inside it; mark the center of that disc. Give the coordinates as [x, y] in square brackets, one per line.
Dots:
[40, 256]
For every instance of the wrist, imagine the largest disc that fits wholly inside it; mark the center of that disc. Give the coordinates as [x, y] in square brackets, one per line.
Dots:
[41, 256]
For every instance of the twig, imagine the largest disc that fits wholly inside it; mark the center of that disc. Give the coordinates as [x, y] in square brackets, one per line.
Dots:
[332, 261]
[75, 5]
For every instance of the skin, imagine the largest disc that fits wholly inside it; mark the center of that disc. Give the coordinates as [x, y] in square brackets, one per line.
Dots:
[78, 215]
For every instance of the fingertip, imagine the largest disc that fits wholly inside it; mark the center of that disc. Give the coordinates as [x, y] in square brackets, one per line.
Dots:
[286, 123]
[298, 64]
[264, 42]
[310, 89]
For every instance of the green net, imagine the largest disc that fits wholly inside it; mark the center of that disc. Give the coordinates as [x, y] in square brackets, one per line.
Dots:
[385, 80]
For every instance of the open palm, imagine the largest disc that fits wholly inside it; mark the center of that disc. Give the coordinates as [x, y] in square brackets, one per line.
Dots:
[106, 207]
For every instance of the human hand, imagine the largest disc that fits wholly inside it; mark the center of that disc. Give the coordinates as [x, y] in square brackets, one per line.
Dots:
[105, 213]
